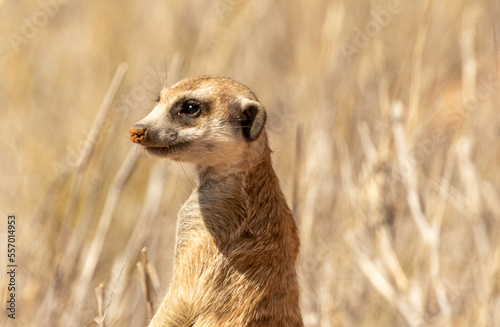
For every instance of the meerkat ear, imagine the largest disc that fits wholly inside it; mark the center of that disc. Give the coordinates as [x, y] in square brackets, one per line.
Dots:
[252, 119]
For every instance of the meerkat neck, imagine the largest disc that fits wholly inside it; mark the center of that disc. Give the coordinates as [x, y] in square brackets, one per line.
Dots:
[258, 152]
[230, 199]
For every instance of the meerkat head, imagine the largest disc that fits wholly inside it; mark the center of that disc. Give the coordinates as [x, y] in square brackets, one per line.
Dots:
[202, 120]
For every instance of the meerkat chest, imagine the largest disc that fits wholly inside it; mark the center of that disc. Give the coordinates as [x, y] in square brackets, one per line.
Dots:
[211, 215]
[189, 223]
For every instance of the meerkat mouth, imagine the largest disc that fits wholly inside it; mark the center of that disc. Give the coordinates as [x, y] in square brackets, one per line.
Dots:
[162, 151]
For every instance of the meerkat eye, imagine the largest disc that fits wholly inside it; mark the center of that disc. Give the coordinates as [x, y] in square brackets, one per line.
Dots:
[191, 108]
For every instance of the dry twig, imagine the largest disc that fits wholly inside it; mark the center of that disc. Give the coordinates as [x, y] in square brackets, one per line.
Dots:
[143, 268]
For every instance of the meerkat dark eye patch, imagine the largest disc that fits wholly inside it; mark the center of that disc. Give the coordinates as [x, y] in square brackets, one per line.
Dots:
[187, 110]
[191, 108]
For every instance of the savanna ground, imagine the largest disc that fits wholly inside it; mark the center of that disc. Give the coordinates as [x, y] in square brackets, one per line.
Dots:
[383, 119]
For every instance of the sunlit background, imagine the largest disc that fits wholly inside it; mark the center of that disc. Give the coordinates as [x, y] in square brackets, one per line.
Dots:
[383, 119]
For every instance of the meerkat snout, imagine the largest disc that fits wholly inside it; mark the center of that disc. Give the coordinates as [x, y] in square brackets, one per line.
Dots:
[138, 133]
[200, 120]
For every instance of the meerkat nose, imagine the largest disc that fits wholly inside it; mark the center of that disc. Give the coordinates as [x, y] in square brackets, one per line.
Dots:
[138, 133]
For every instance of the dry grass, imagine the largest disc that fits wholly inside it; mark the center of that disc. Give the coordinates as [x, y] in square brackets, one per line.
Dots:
[383, 121]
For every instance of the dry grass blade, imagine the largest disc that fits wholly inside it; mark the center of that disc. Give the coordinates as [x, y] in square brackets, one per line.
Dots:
[469, 63]
[89, 261]
[90, 142]
[416, 72]
[473, 201]
[68, 241]
[146, 282]
[428, 233]
[99, 293]
[407, 301]
[149, 211]
[409, 175]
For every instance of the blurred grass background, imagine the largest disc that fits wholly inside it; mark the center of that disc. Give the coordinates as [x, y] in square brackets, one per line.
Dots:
[383, 118]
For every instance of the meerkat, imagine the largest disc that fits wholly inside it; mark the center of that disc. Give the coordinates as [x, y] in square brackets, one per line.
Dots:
[236, 240]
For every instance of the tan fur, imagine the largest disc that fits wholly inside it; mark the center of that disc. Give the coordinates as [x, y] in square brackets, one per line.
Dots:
[237, 241]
